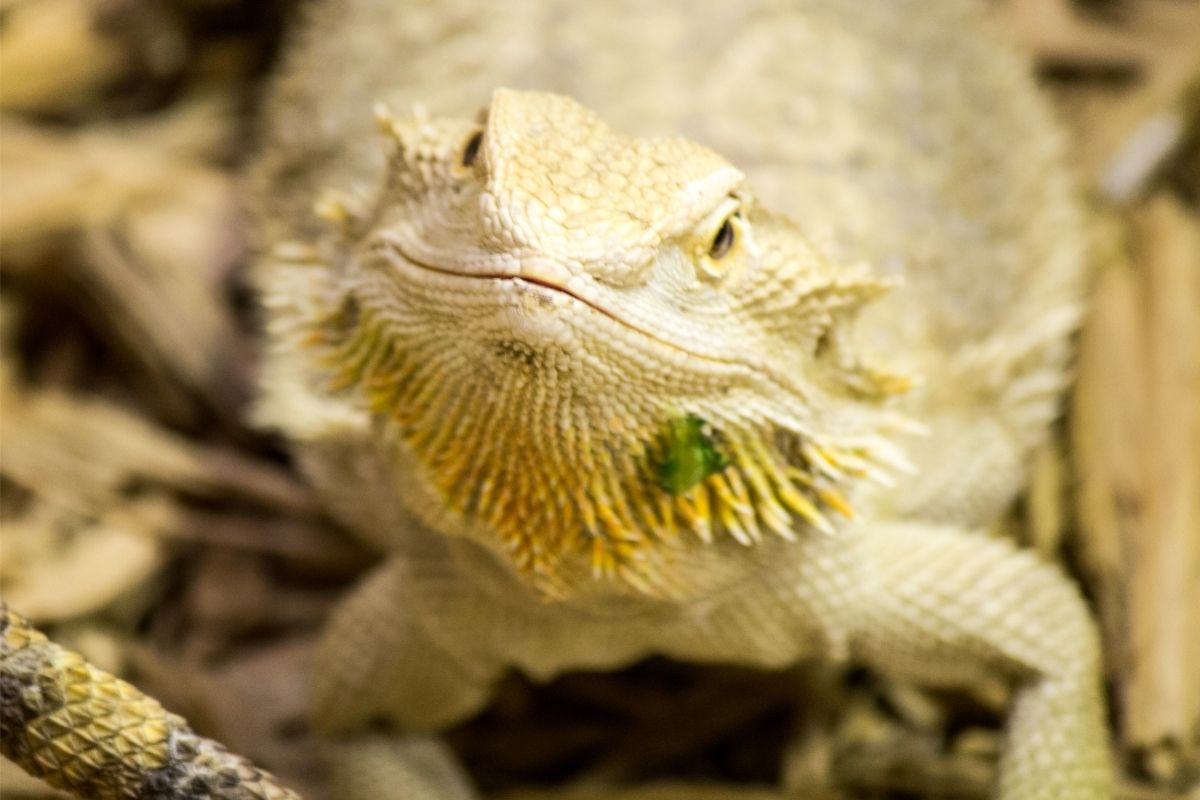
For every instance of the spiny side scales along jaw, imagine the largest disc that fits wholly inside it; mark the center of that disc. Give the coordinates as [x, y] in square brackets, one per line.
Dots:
[590, 346]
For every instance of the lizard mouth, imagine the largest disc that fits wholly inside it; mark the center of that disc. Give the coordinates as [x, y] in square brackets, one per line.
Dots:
[577, 474]
[548, 276]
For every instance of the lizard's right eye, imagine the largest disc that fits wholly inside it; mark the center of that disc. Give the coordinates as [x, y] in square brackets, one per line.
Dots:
[471, 149]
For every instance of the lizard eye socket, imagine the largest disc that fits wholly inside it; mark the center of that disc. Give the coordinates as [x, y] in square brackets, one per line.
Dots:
[471, 149]
[721, 235]
[723, 241]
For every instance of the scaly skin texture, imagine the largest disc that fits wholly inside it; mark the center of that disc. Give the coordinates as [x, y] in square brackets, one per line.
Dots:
[602, 393]
[88, 732]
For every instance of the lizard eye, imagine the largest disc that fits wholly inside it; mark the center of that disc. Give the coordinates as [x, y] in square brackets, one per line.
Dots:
[719, 236]
[471, 149]
[723, 241]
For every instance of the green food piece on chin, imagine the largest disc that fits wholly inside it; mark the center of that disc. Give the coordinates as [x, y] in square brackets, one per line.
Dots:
[688, 455]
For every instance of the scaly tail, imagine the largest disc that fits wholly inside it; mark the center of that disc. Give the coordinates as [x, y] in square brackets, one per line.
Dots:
[84, 730]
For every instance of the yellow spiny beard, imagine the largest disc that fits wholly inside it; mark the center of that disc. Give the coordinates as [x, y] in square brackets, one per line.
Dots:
[494, 446]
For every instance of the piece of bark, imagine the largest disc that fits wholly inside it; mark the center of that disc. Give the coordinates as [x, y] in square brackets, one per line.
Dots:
[1056, 33]
[59, 564]
[1044, 501]
[134, 228]
[1107, 420]
[1125, 130]
[54, 56]
[83, 451]
[1163, 693]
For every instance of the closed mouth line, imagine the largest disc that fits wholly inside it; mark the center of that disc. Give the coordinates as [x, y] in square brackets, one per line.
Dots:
[394, 247]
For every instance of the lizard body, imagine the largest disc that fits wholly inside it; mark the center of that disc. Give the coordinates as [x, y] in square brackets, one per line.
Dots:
[482, 343]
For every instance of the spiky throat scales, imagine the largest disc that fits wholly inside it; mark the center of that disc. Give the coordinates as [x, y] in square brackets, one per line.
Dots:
[644, 373]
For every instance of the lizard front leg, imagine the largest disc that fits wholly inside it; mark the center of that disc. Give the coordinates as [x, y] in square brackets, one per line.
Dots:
[394, 766]
[941, 605]
[378, 663]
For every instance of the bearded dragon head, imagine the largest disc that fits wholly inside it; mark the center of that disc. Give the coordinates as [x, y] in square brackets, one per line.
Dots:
[601, 348]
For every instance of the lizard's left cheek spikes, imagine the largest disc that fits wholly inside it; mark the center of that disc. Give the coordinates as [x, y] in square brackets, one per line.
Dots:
[741, 485]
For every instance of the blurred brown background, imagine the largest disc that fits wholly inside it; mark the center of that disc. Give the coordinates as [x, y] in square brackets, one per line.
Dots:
[144, 523]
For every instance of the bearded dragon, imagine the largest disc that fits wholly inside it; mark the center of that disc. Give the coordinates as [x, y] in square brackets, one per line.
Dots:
[602, 391]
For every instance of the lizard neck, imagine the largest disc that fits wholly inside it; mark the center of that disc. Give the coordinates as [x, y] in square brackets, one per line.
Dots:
[499, 442]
